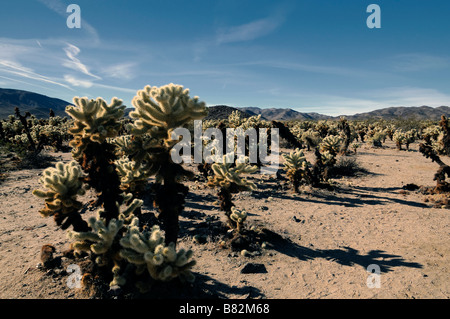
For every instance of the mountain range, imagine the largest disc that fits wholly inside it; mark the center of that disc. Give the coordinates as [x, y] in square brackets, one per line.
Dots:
[37, 104]
[40, 105]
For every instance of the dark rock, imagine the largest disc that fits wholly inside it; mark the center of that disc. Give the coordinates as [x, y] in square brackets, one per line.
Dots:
[253, 268]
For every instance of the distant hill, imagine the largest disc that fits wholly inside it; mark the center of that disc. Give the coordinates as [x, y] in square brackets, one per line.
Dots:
[37, 104]
[221, 112]
[283, 114]
[417, 112]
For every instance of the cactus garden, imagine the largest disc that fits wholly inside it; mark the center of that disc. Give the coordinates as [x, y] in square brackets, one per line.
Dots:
[111, 203]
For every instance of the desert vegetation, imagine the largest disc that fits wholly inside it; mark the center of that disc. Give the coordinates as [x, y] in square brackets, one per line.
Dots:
[133, 240]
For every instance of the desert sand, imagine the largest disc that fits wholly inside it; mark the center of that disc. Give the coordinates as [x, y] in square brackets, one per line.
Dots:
[328, 238]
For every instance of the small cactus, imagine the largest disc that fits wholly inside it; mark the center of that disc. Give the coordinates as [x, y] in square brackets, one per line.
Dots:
[296, 167]
[228, 179]
[239, 217]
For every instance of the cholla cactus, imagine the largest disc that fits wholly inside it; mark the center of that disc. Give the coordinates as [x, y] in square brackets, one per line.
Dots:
[295, 160]
[360, 130]
[102, 240]
[94, 121]
[355, 146]
[63, 184]
[346, 132]
[328, 158]
[444, 170]
[239, 217]
[400, 138]
[376, 138]
[331, 143]
[411, 137]
[234, 119]
[431, 133]
[147, 251]
[443, 140]
[311, 138]
[169, 107]
[158, 111]
[133, 179]
[322, 127]
[254, 122]
[99, 240]
[390, 131]
[228, 179]
[124, 144]
[296, 167]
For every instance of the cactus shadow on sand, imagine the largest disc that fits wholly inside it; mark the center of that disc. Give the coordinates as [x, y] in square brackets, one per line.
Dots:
[204, 287]
[355, 196]
[345, 256]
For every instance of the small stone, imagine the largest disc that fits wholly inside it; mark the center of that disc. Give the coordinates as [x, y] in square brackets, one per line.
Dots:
[253, 268]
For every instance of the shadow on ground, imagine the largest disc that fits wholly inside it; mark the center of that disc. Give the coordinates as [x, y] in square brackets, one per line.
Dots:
[346, 256]
[204, 287]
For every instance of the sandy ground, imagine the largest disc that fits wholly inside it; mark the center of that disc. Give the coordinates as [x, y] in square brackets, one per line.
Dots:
[329, 237]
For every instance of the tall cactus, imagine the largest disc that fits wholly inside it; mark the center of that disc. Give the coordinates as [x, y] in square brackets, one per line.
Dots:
[94, 122]
[158, 111]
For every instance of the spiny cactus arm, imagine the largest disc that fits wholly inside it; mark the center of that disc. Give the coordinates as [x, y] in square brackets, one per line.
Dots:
[331, 143]
[239, 216]
[94, 120]
[100, 238]
[168, 106]
[226, 176]
[295, 159]
[429, 152]
[162, 262]
[62, 183]
[328, 159]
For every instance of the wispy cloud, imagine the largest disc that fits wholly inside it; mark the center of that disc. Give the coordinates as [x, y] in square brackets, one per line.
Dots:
[72, 80]
[74, 63]
[249, 31]
[19, 70]
[123, 71]
[412, 62]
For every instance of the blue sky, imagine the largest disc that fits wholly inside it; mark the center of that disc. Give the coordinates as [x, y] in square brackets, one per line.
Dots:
[308, 55]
